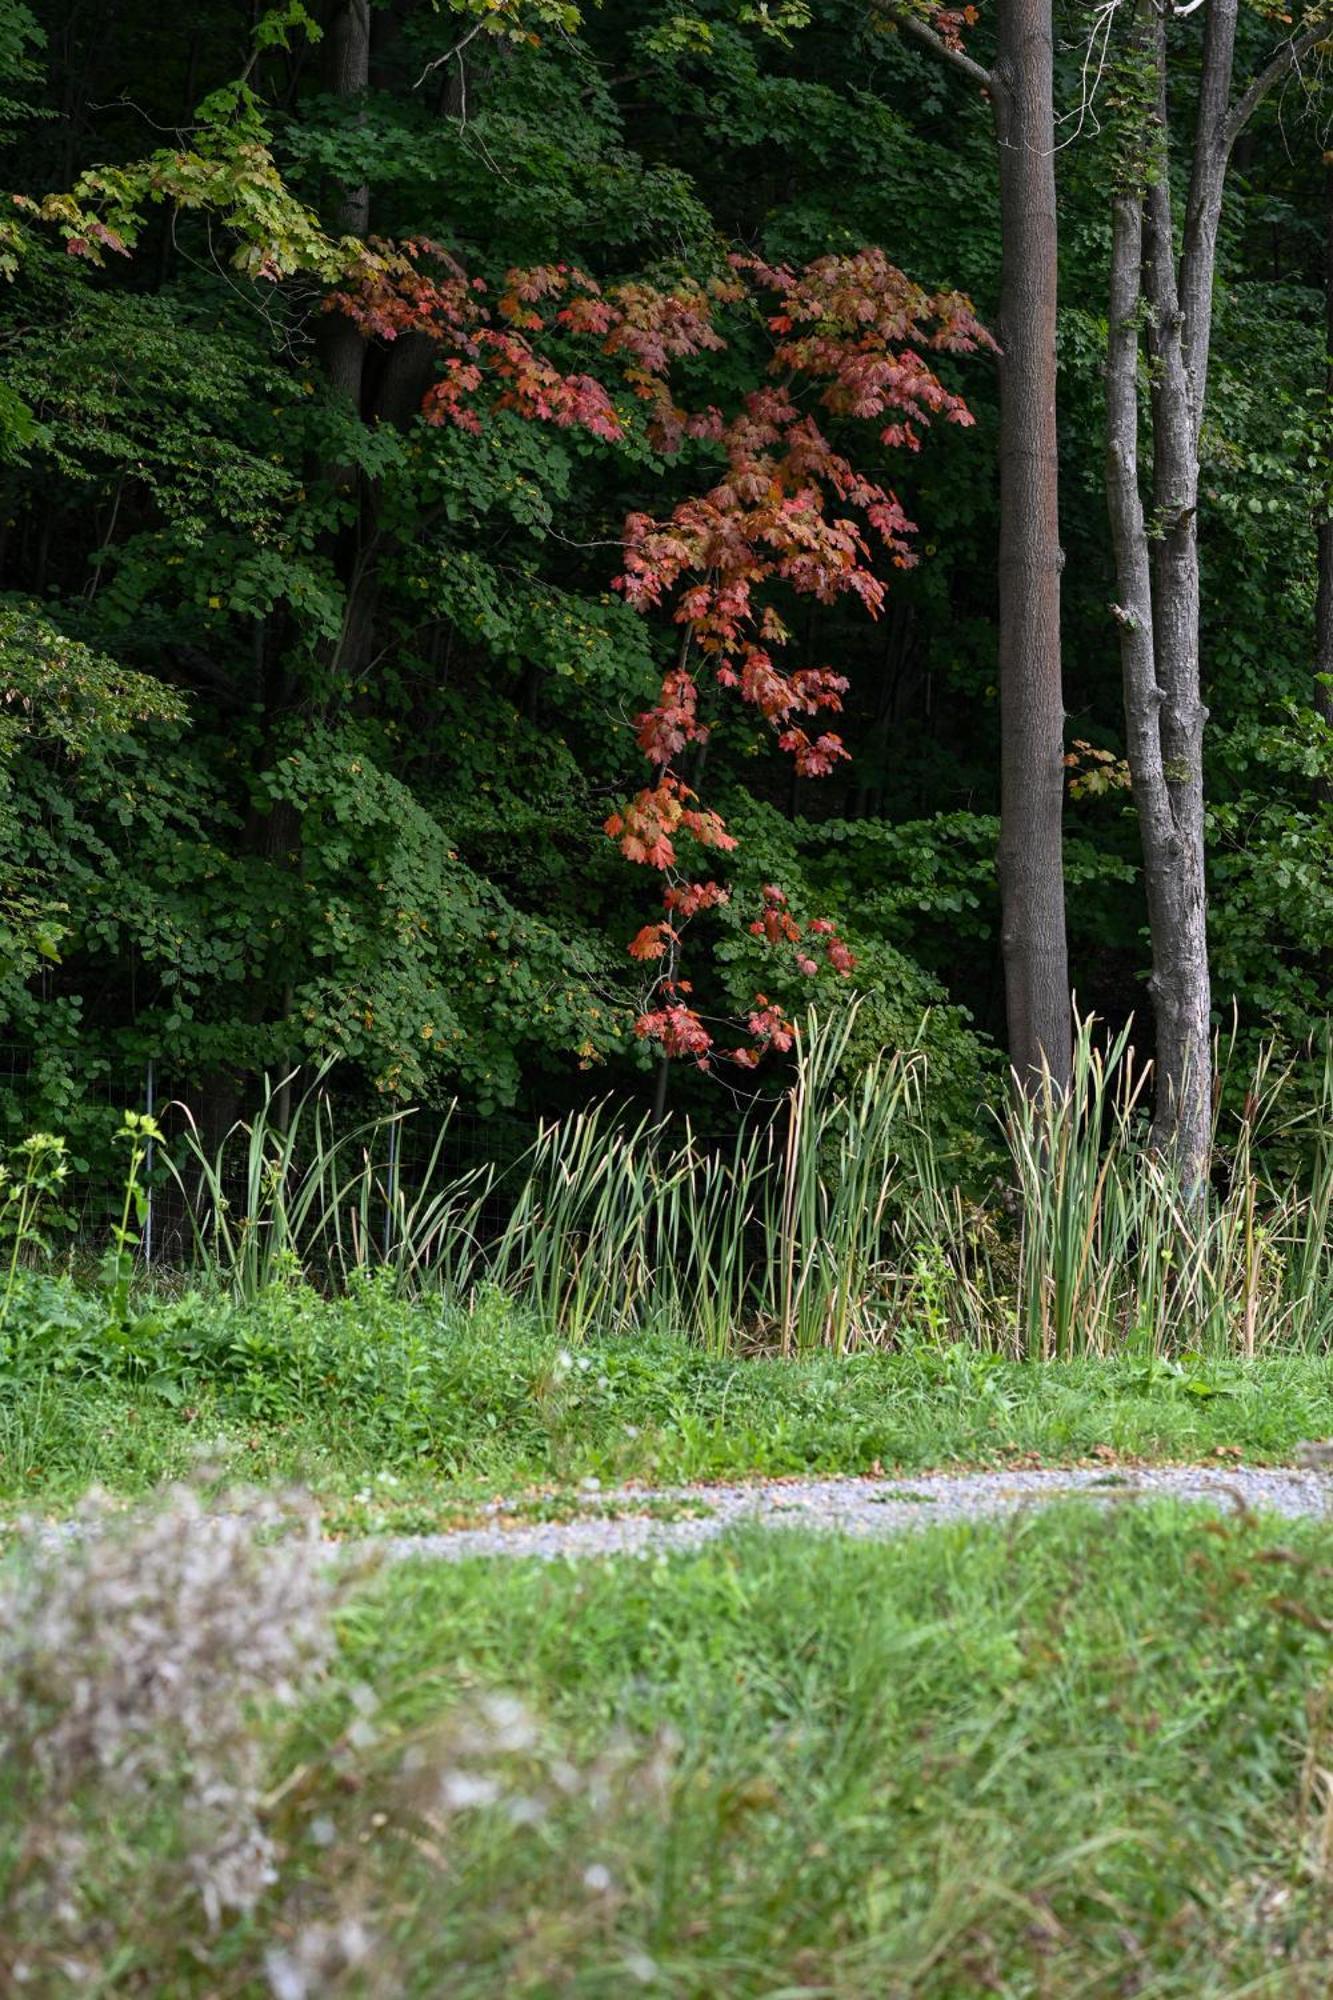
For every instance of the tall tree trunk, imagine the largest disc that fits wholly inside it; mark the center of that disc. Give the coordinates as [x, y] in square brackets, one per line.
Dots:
[1031, 857]
[343, 351]
[1323, 646]
[389, 391]
[346, 74]
[1032, 719]
[1158, 612]
[1174, 867]
[1158, 570]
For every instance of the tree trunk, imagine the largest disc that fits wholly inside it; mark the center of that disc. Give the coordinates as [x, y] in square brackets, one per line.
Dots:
[1158, 570]
[1174, 865]
[1031, 857]
[343, 352]
[1171, 911]
[1323, 658]
[346, 74]
[1323, 640]
[1032, 720]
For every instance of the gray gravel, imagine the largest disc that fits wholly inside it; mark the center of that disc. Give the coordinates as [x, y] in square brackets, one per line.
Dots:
[864, 1508]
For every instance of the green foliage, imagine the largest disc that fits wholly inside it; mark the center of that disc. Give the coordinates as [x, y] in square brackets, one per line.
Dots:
[21, 43]
[458, 1403]
[139, 1133]
[33, 1176]
[58, 694]
[229, 172]
[396, 689]
[60, 703]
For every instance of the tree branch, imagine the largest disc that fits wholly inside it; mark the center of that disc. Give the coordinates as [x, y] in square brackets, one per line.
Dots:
[922, 33]
[1283, 63]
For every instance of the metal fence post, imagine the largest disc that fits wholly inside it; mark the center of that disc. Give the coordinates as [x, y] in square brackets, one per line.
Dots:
[150, 1100]
[392, 1189]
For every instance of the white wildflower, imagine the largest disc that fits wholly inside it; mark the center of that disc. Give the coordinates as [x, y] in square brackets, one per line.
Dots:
[467, 1791]
[321, 1953]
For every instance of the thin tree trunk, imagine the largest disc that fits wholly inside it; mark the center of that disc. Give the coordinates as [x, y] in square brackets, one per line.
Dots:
[347, 74]
[1158, 572]
[1174, 867]
[1129, 533]
[1323, 648]
[1032, 720]
[343, 351]
[1323, 659]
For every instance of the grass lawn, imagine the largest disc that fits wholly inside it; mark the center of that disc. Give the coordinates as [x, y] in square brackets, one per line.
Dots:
[403, 1415]
[1071, 1754]
[1053, 1757]
[1057, 1757]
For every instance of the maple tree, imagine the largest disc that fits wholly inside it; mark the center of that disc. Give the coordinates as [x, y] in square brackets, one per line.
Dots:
[790, 511]
[850, 336]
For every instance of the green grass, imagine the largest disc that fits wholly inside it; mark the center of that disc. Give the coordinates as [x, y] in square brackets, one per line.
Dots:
[1061, 1756]
[1057, 1757]
[417, 1407]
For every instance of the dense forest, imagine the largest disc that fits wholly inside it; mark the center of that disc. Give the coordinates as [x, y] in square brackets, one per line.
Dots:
[504, 571]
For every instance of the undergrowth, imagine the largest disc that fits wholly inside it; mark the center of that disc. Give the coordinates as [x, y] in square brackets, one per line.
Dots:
[350, 1394]
[836, 1220]
[1072, 1753]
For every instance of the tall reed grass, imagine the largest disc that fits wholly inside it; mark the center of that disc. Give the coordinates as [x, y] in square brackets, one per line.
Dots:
[833, 1221]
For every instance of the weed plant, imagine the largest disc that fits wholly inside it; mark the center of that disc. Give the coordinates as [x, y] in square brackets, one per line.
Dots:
[836, 1221]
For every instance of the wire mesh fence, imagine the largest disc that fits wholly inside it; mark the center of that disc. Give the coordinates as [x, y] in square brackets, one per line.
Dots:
[85, 1099]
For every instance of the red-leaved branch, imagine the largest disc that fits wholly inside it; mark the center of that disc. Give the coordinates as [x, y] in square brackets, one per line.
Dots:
[789, 515]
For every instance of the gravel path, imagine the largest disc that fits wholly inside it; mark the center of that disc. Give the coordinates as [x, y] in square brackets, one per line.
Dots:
[861, 1507]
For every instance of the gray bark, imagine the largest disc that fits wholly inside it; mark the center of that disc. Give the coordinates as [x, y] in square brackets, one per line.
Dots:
[1157, 560]
[1032, 720]
[1031, 857]
[1179, 335]
[1323, 652]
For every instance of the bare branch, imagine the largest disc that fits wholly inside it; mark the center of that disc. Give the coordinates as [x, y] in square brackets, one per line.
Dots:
[1096, 54]
[922, 33]
[438, 62]
[1288, 58]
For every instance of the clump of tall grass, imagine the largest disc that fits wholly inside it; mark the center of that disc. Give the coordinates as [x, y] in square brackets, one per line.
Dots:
[1116, 1252]
[578, 1244]
[292, 1190]
[833, 1221]
[825, 1225]
[608, 1225]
